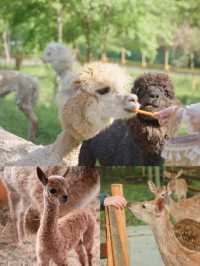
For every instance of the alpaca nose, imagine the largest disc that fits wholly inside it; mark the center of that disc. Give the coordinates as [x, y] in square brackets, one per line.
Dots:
[132, 102]
[65, 198]
[154, 95]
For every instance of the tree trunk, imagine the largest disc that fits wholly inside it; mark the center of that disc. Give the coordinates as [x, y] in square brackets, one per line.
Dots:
[104, 57]
[6, 43]
[166, 58]
[88, 39]
[123, 56]
[144, 63]
[191, 60]
[60, 24]
[18, 61]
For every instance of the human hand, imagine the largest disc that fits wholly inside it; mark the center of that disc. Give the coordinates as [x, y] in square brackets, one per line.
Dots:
[164, 116]
[118, 202]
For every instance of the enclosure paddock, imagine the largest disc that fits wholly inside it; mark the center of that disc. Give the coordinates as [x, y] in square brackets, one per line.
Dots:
[116, 247]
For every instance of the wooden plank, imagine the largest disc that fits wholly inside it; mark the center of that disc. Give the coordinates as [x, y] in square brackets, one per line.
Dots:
[119, 237]
[110, 260]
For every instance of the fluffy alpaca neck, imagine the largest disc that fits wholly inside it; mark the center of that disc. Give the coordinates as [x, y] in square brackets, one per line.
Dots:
[66, 147]
[148, 135]
[48, 225]
[62, 69]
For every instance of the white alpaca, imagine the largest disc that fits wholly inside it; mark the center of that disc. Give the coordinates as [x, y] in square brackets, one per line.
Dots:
[62, 61]
[26, 88]
[60, 58]
[56, 237]
[90, 103]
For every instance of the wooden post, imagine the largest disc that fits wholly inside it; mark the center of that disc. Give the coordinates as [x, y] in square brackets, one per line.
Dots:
[157, 175]
[110, 259]
[150, 173]
[117, 240]
[143, 171]
[194, 82]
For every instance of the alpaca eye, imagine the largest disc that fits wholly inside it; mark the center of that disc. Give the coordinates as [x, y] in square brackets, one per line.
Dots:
[103, 90]
[166, 92]
[52, 190]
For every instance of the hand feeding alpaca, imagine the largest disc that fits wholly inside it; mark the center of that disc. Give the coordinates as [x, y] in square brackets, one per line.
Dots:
[139, 141]
[26, 88]
[89, 104]
[56, 237]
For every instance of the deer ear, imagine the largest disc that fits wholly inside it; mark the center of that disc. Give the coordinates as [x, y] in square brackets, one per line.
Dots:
[42, 176]
[152, 187]
[180, 172]
[66, 172]
[160, 204]
[169, 190]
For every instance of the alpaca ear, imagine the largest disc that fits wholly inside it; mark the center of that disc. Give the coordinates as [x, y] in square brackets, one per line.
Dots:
[152, 187]
[42, 176]
[66, 172]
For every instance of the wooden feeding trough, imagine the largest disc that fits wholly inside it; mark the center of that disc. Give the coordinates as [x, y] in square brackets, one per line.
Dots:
[116, 235]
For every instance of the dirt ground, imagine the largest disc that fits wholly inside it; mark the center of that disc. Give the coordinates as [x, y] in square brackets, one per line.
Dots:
[24, 255]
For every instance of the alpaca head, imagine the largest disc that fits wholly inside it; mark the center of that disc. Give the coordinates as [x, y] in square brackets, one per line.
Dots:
[54, 187]
[100, 96]
[59, 56]
[155, 92]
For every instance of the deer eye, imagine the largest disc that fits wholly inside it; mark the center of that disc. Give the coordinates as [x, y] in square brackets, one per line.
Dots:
[143, 206]
[52, 190]
[103, 90]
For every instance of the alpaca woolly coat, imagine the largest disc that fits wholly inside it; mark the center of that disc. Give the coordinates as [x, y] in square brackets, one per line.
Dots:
[138, 141]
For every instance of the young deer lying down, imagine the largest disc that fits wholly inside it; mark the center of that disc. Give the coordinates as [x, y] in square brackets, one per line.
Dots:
[157, 216]
[186, 208]
[56, 237]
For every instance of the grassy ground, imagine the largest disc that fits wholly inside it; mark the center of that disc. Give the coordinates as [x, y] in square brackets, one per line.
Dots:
[14, 121]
